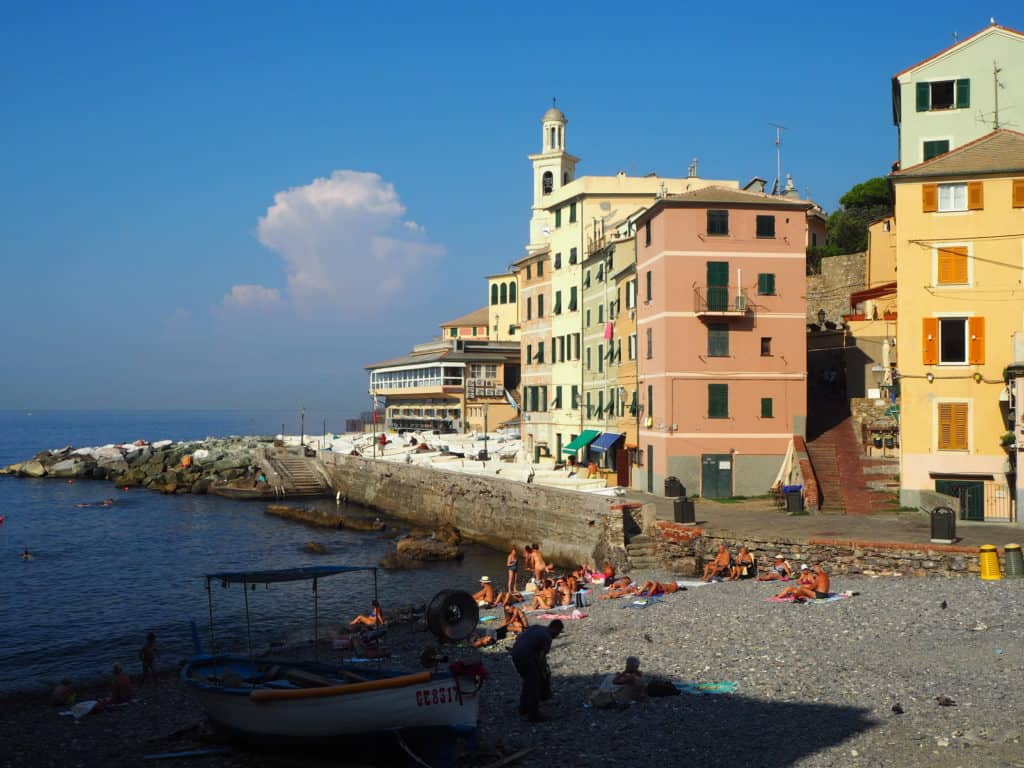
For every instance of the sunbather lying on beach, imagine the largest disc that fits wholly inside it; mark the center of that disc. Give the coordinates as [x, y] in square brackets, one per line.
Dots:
[812, 587]
[780, 569]
[655, 588]
[612, 594]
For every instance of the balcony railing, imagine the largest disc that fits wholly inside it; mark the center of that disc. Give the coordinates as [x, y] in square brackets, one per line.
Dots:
[727, 300]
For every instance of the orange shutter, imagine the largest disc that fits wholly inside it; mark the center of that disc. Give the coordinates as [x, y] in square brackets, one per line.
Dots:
[930, 340]
[975, 196]
[952, 427]
[929, 198]
[952, 265]
[1018, 193]
[976, 340]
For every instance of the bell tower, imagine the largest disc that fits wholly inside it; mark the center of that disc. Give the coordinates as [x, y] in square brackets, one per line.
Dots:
[553, 168]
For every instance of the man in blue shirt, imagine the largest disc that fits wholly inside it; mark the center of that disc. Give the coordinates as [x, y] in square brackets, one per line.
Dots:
[529, 654]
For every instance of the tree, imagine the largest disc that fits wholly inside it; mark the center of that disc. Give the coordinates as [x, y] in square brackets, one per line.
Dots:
[863, 204]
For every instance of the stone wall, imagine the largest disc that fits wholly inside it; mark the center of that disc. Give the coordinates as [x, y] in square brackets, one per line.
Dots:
[569, 527]
[685, 549]
[840, 276]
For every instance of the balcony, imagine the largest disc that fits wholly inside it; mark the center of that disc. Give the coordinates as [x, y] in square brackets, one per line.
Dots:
[720, 301]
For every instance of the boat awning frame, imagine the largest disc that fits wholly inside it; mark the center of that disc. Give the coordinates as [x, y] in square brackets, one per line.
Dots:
[307, 573]
[582, 441]
[606, 441]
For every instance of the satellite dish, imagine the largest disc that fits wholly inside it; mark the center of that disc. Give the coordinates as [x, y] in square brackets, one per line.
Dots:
[546, 231]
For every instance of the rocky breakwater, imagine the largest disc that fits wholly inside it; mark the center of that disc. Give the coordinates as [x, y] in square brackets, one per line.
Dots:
[165, 466]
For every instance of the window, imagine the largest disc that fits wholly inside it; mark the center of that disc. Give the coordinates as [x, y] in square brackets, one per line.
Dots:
[587, 318]
[649, 285]
[588, 358]
[1018, 193]
[943, 94]
[766, 408]
[953, 197]
[528, 270]
[766, 284]
[647, 233]
[650, 344]
[650, 401]
[548, 183]
[529, 307]
[558, 217]
[474, 330]
[540, 305]
[766, 346]
[766, 226]
[572, 212]
[631, 348]
[600, 402]
[558, 397]
[935, 148]
[600, 358]
[554, 139]
[589, 406]
[718, 339]
[586, 279]
[953, 340]
[572, 298]
[951, 267]
[511, 293]
[494, 294]
[540, 351]
[952, 427]
[718, 222]
[630, 294]
[504, 293]
[558, 303]
[576, 346]
[558, 261]
[540, 269]
[573, 253]
[600, 313]
[718, 401]
[575, 397]
[529, 353]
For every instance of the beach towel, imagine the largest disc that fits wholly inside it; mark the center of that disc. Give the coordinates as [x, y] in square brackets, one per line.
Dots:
[644, 602]
[485, 619]
[832, 597]
[704, 689]
[574, 616]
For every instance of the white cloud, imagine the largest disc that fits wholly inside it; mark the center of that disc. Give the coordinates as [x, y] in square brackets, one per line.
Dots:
[344, 240]
[252, 297]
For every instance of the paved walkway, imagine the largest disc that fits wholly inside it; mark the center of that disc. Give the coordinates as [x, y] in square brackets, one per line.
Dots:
[760, 518]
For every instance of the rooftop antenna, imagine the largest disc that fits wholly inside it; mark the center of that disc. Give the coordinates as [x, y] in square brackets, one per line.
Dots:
[996, 85]
[778, 155]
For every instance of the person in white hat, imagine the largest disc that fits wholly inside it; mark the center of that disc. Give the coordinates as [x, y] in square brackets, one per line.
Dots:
[779, 571]
[485, 596]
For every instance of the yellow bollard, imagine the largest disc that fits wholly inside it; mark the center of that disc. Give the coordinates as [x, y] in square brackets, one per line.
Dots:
[988, 559]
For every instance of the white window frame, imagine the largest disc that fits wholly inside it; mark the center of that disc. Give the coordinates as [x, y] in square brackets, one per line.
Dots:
[632, 346]
[967, 337]
[952, 205]
[936, 247]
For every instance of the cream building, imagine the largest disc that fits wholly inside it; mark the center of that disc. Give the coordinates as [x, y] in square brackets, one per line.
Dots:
[569, 217]
[503, 312]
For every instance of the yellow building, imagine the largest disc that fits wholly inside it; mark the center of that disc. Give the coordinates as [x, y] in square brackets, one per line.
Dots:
[534, 274]
[569, 217]
[960, 255]
[503, 312]
[471, 326]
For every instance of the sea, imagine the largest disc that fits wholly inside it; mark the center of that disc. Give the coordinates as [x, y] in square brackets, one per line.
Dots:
[101, 577]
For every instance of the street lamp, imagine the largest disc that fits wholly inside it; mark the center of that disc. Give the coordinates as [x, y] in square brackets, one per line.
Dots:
[302, 425]
[485, 433]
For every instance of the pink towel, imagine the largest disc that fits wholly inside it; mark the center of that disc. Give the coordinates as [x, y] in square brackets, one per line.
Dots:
[574, 616]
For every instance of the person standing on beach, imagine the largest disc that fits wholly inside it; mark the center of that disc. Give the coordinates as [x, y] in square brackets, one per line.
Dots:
[513, 570]
[529, 655]
[148, 656]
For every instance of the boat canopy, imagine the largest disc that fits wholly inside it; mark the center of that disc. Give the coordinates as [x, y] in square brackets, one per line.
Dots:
[306, 573]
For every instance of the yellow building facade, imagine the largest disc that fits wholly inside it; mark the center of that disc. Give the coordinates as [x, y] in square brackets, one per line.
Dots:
[960, 294]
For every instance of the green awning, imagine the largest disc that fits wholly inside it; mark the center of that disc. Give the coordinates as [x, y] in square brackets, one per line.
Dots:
[582, 441]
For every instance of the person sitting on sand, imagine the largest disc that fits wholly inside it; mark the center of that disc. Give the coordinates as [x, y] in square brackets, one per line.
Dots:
[720, 566]
[655, 588]
[608, 572]
[743, 568]
[374, 619]
[780, 570]
[120, 687]
[813, 585]
[618, 691]
[544, 597]
[63, 694]
[515, 619]
[485, 597]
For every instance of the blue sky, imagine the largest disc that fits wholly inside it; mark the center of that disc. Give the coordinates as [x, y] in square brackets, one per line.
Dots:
[164, 238]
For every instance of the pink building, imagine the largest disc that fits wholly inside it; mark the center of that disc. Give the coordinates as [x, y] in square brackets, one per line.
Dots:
[722, 341]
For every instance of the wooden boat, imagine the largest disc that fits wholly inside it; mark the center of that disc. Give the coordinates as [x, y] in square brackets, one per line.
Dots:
[280, 699]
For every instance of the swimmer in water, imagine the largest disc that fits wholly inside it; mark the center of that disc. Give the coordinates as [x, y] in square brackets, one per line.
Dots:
[26, 555]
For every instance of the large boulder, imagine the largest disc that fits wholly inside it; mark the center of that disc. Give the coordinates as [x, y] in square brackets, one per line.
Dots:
[69, 468]
[426, 549]
[32, 468]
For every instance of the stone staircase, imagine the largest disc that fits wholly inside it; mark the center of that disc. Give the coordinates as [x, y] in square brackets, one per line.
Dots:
[300, 475]
[849, 483]
[642, 553]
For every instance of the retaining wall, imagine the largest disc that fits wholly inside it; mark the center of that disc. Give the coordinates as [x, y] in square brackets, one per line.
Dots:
[685, 549]
[570, 527]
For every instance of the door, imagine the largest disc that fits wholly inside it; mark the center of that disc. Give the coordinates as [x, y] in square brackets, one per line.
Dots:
[622, 467]
[971, 494]
[718, 286]
[650, 469]
[716, 475]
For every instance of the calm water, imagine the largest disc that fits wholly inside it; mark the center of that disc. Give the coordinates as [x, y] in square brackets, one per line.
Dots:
[104, 576]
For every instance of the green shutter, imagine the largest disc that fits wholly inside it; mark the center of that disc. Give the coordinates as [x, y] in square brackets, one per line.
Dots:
[766, 408]
[718, 401]
[766, 284]
[963, 94]
[924, 96]
[494, 294]
[558, 217]
[718, 340]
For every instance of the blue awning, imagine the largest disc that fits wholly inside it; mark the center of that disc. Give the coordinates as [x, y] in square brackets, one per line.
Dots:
[606, 441]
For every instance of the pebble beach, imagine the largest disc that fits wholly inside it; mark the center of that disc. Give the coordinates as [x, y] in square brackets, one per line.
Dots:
[855, 682]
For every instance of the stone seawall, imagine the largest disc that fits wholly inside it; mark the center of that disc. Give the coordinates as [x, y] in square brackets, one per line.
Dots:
[685, 550]
[569, 527]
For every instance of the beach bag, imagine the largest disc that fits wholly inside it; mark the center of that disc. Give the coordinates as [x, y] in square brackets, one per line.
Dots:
[658, 687]
[582, 598]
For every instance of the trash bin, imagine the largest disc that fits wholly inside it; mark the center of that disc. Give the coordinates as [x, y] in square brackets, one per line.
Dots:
[683, 510]
[943, 525]
[673, 487]
[1014, 561]
[794, 495]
